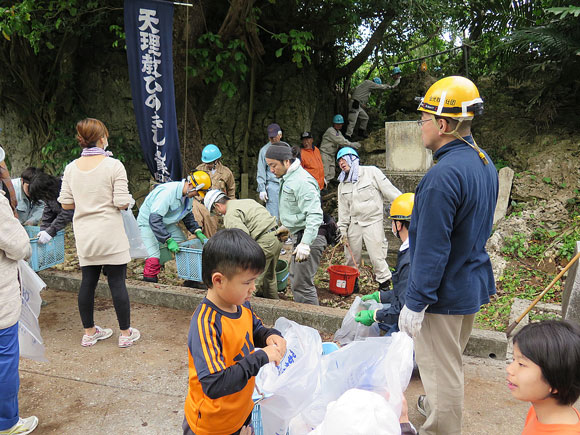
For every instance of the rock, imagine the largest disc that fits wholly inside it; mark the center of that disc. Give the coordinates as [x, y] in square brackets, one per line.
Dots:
[375, 142]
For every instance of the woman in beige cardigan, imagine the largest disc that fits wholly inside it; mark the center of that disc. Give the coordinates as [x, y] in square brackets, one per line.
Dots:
[95, 186]
[14, 246]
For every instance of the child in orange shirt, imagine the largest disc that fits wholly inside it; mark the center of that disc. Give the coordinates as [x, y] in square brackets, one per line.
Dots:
[546, 372]
[223, 332]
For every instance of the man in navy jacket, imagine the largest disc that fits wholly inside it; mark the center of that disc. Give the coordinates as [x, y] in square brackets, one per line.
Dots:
[451, 274]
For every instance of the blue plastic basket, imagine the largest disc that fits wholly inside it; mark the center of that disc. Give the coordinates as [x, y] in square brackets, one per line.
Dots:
[188, 260]
[327, 347]
[47, 255]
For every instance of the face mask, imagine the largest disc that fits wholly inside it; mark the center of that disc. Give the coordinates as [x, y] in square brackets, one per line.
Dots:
[105, 146]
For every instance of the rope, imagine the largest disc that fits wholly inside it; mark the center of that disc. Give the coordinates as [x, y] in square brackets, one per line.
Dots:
[186, 65]
[455, 134]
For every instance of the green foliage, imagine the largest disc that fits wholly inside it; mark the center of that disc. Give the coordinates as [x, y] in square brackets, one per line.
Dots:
[516, 246]
[516, 282]
[212, 58]
[40, 22]
[298, 42]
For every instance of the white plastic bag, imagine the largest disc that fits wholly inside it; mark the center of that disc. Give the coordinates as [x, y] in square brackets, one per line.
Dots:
[351, 330]
[136, 245]
[359, 412]
[379, 364]
[29, 338]
[292, 383]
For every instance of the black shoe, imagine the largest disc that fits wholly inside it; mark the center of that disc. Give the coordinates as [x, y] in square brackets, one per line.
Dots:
[356, 289]
[194, 284]
[150, 279]
[383, 286]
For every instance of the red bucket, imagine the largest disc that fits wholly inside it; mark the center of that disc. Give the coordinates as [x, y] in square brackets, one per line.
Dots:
[342, 279]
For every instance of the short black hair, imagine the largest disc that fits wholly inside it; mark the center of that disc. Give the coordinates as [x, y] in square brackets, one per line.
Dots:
[230, 251]
[28, 173]
[44, 187]
[555, 347]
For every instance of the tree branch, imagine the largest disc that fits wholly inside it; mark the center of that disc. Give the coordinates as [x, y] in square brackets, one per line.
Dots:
[374, 40]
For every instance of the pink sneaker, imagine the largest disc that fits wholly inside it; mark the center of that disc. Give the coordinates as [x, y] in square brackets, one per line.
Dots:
[128, 340]
[100, 334]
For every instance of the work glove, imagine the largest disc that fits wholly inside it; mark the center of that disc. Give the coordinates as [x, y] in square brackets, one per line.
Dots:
[282, 233]
[344, 239]
[373, 296]
[366, 317]
[302, 252]
[44, 237]
[28, 223]
[337, 237]
[201, 236]
[172, 245]
[263, 196]
[131, 204]
[411, 321]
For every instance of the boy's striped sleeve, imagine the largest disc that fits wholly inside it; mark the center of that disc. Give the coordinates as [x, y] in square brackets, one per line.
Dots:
[204, 341]
[261, 333]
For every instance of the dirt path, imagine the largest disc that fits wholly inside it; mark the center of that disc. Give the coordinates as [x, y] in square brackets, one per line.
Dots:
[107, 390]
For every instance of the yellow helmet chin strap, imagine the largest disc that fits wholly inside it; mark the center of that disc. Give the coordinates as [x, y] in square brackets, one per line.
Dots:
[455, 134]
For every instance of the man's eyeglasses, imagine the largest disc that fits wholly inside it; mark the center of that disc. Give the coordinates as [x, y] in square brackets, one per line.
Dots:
[420, 122]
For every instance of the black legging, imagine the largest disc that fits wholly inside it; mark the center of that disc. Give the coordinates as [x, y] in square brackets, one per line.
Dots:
[116, 275]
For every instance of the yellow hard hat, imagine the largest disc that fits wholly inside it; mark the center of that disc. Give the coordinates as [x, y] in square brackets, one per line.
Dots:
[201, 181]
[402, 207]
[453, 97]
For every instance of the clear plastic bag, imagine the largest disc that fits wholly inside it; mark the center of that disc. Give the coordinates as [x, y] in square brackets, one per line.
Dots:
[29, 338]
[359, 412]
[292, 383]
[351, 330]
[379, 364]
[136, 245]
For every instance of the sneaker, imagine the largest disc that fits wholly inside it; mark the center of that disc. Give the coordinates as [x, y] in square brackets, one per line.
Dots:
[289, 241]
[100, 334]
[128, 340]
[422, 405]
[282, 251]
[24, 426]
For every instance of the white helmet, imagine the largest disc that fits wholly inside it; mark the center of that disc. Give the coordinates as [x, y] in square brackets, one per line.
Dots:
[2, 154]
[211, 197]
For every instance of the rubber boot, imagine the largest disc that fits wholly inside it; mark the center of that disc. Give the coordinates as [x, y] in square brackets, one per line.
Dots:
[151, 269]
[356, 288]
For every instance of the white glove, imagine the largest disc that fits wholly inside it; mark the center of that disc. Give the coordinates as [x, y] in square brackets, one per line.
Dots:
[302, 252]
[355, 145]
[263, 196]
[44, 237]
[131, 204]
[411, 321]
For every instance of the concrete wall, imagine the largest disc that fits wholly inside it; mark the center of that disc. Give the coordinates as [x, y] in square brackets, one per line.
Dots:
[404, 148]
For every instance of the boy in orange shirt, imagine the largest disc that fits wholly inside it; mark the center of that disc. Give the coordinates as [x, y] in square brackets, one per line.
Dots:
[546, 372]
[222, 336]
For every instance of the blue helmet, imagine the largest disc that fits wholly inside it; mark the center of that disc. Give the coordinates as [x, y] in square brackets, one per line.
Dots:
[378, 81]
[396, 70]
[344, 151]
[210, 153]
[338, 119]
